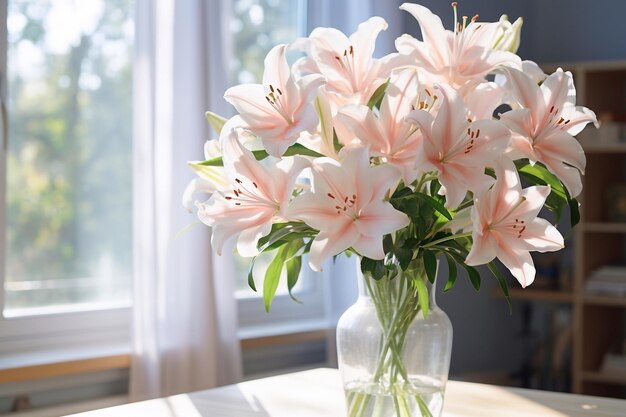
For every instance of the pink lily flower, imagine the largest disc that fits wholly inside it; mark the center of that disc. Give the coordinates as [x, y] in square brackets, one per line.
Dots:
[506, 225]
[257, 197]
[544, 127]
[387, 134]
[457, 147]
[455, 58]
[352, 74]
[211, 178]
[280, 109]
[347, 207]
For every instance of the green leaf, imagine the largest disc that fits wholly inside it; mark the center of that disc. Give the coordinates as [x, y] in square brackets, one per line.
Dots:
[251, 283]
[284, 255]
[404, 254]
[459, 254]
[430, 264]
[574, 212]
[377, 97]
[538, 174]
[452, 272]
[295, 149]
[373, 268]
[434, 204]
[294, 266]
[282, 233]
[272, 277]
[387, 243]
[207, 172]
[216, 121]
[435, 186]
[502, 281]
[401, 192]
[474, 276]
[298, 149]
[422, 294]
[336, 144]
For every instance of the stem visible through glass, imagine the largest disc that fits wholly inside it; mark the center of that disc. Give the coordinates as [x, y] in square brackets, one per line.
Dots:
[397, 306]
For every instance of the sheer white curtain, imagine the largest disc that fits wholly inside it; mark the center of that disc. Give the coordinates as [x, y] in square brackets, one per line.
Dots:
[184, 321]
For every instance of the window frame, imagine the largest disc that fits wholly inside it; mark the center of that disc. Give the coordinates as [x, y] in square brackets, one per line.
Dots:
[286, 314]
[70, 332]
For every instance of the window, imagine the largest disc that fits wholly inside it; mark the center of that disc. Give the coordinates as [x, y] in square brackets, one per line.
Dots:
[257, 26]
[68, 175]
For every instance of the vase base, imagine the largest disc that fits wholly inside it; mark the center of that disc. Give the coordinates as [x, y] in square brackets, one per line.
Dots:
[416, 398]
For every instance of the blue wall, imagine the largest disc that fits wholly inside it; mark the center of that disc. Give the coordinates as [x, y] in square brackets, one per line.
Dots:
[554, 30]
[577, 30]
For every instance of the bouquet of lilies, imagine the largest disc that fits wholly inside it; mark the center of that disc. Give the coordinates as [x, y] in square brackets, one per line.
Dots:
[398, 160]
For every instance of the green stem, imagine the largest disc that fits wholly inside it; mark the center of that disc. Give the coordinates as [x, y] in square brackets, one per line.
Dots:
[445, 239]
[423, 407]
[423, 180]
[354, 406]
[467, 204]
[397, 306]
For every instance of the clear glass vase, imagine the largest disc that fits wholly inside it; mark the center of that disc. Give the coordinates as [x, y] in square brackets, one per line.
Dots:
[394, 361]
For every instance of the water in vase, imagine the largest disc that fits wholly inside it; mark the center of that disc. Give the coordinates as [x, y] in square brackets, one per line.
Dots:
[419, 398]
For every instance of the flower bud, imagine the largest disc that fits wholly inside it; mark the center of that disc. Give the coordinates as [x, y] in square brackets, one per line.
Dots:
[507, 37]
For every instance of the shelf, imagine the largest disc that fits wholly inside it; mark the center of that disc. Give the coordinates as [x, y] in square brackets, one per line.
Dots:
[615, 377]
[604, 227]
[530, 294]
[605, 148]
[599, 300]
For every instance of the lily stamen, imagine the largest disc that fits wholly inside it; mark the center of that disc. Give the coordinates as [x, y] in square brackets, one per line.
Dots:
[244, 194]
[346, 61]
[274, 99]
[454, 4]
[508, 213]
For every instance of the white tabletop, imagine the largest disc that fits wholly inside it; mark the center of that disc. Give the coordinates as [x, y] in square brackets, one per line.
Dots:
[318, 393]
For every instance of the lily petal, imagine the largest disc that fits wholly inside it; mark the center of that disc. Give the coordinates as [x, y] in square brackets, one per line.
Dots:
[541, 236]
[370, 246]
[484, 250]
[558, 144]
[196, 185]
[520, 264]
[432, 29]
[365, 39]
[327, 244]
[247, 241]
[378, 219]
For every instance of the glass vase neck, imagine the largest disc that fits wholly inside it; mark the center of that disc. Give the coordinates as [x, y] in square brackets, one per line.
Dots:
[397, 280]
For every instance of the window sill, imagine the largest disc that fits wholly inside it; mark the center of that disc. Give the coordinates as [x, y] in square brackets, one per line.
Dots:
[279, 329]
[284, 333]
[28, 367]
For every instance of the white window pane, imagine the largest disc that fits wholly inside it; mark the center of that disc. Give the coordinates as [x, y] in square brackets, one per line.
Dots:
[68, 214]
[256, 27]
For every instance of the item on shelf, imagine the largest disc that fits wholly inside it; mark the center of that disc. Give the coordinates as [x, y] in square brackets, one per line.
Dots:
[614, 363]
[612, 130]
[608, 280]
[616, 202]
[615, 359]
